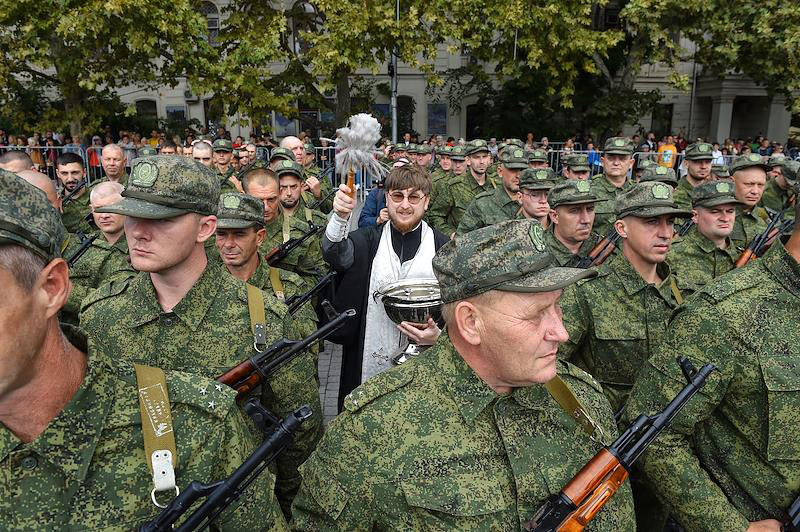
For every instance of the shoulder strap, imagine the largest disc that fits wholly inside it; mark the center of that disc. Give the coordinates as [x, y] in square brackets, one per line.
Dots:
[277, 284]
[258, 318]
[559, 391]
[675, 292]
[309, 218]
[286, 228]
[159, 436]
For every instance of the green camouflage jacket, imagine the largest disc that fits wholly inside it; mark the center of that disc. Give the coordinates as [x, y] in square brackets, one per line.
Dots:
[225, 184]
[488, 208]
[325, 187]
[748, 225]
[437, 182]
[561, 253]
[682, 194]
[453, 199]
[606, 193]
[306, 260]
[615, 321]
[87, 470]
[697, 261]
[74, 215]
[776, 199]
[429, 446]
[208, 332]
[732, 455]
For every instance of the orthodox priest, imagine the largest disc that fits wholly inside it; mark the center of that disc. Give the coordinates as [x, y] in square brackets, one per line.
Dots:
[369, 259]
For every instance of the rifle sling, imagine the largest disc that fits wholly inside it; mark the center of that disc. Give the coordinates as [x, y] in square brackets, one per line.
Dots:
[675, 292]
[562, 395]
[157, 428]
[258, 317]
[287, 228]
[277, 284]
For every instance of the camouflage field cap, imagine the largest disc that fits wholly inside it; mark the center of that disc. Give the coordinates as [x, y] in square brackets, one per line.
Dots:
[424, 149]
[457, 153]
[648, 199]
[570, 192]
[777, 160]
[475, 147]
[618, 146]
[656, 172]
[537, 179]
[398, 148]
[146, 151]
[163, 186]
[281, 153]
[514, 158]
[444, 151]
[510, 256]
[27, 219]
[720, 171]
[239, 211]
[412, 148]
[713, 193]
[643, 163]
[222, 145]
[537, 156]
[289, 168]
[510, 143]
[748, 161]
[577, 162]
[309, 148]
[790, 171]
[699, 151]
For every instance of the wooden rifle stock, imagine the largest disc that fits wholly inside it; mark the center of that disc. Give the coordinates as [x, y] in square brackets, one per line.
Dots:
[605, 475]
[601, 251]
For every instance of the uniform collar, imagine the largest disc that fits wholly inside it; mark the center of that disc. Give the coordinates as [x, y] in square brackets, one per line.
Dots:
[706, 245]
[631, 281]
[502, 196]
[683, 184]
[190, 310]
[70, 439]
[783, 267]
[275, 226]
[608, 186]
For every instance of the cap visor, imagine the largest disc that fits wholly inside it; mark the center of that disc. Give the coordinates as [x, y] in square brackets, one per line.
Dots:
[716, 202]
[651, 212]
[515, 166]
[575, 202]
[142, 209]
[235, 223]
[580, 168]
[547, 280]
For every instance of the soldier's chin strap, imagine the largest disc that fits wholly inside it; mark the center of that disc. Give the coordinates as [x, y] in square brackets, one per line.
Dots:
[157, 429]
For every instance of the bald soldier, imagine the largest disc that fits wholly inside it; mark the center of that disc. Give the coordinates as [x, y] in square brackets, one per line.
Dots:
[16, 161]
[113, 160]
[318, 187]
[71, 430]
[465, 436]
[203, 154]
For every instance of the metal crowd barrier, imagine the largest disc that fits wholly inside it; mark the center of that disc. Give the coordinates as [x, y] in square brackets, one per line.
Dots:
[44, 157]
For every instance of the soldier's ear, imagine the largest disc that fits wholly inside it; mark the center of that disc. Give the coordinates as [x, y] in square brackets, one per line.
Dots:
[469, 322]
[621, 228]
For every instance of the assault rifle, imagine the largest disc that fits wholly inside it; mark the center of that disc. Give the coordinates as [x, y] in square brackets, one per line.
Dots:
[684, 228]
[221, 494]
[86, 243]
[601, 251]
[295, 302]
[594, 485]
[256, 369]
[758, 245]
[66, 199]
[793, 524]
[323, 199]
[278, 253]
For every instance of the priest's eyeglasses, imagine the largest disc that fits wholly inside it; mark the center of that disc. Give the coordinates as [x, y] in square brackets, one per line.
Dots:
[414, 198]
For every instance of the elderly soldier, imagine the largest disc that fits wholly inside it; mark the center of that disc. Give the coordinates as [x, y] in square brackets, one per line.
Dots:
[305, 260]
[453, 199]
[534, 184]
[223, 154]
[749, 177]
[294, 201]
[184, 312]
[424, 156]
[113, 160]
[617, 161]
[71, 173]
[466, 436]
[576, 166]
[502, 203]
[697, 163]
[778, 193]
[240, 232]
[731, 459]
[538, 159]
[706, 252]
[72, 434]
[570, 235]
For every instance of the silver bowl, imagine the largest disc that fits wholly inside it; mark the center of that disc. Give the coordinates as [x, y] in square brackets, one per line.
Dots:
[411, 300]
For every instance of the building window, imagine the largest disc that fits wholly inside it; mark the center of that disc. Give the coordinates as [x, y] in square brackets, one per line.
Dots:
[405, 115]
[437, 119]
[210, 11]
[176, 113]
[146, 108]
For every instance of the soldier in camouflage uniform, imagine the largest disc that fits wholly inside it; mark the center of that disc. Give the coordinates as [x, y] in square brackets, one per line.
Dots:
[453, 199]
[240, 232]
[778, 193]
[656, 172]
[70, 173]
[697, 162]
[458, 167]
[223, 153]
[305, 260]
[424, 156]
[720, 171]
[749, 176]
[185, 313]
[443, 164]
[576, 166]
[537, 158]
[731, 459]
[617, 161]
[75, 458]
[644, 163]
[110, 225]
[706, 252]
[294, 201]
[502, 203]
[316, 184]
[534, 184]
[570, 235]
[465, 436]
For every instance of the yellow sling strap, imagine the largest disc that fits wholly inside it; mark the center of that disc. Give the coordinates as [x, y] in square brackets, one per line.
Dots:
[65, 244]
[309, 217]
[277, 284]
[675, 292]
[157, 430]
[258, 318]
[559, 391]
[286, 228]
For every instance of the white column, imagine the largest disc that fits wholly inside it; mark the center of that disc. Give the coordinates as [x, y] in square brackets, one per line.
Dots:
[779, 120]
[721, 114]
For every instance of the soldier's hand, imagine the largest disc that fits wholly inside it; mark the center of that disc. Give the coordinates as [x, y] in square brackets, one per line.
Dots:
[236, 183]
[767, 525]
[421, 333]
[343, 204]
[313, 184]
[383, 216]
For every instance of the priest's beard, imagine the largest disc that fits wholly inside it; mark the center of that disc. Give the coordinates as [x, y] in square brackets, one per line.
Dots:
[405, 227]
